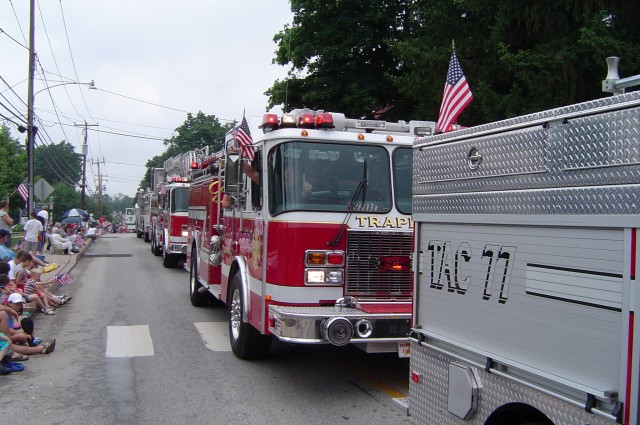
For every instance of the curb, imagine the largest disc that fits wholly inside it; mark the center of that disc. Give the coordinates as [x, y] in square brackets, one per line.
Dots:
[72, 263]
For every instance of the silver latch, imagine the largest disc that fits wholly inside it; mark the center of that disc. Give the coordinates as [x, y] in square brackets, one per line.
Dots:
[474, 158]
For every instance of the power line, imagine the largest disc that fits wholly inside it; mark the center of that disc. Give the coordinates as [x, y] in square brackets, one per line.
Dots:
[129, 135]
[124, 163]
[11, 121]
[16, 41]
[73, 63]
[13, 113]
[144, 101]
[10, 88]
[18, 20]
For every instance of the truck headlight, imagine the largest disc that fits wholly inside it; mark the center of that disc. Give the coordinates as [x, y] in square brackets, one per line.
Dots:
[323, 277]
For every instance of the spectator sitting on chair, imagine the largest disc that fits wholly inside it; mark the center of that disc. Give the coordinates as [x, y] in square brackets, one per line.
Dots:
[58, 241]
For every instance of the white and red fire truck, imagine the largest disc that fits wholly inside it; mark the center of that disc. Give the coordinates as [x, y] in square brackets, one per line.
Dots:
[169, 229]
[316, 248]
[525, 264]
[143, 214]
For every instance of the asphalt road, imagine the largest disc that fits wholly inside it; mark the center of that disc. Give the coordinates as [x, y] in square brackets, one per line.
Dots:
[132, 350]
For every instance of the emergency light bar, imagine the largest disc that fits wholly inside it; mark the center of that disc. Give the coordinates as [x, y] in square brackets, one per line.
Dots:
[178, 179]
[303, 119]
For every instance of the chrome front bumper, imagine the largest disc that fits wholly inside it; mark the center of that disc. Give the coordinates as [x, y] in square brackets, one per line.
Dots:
[317, 325]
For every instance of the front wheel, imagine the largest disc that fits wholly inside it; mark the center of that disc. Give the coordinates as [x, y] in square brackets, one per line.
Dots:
[155, 248]
[246, 341]
[169, 261]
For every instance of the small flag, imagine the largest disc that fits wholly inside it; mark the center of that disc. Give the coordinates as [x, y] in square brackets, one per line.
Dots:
[243, 136]
[163, 189]
[63, 278]
[457, 95]
[23, 191]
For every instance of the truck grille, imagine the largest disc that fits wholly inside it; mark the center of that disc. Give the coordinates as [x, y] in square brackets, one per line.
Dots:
[364, 277]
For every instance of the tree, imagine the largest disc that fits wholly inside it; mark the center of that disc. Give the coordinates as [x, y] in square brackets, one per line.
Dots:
[195, 133]
[340, 56]
[121, 202]
[58, 163]
[65, 197]
[354, 56]
[13, 168]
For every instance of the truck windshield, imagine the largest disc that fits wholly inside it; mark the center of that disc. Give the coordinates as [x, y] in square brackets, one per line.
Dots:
[402, 174]
[180, 199]
[326, 176]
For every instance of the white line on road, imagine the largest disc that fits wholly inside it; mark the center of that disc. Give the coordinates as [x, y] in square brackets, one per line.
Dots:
[129, 341]
[215, 335]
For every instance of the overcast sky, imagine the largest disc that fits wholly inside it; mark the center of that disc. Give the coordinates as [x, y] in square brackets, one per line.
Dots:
[188, 56]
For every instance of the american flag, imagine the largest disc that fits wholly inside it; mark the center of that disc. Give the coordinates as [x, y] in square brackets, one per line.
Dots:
[23, 191]
[243, 136]
[457, 95]
[63, 278]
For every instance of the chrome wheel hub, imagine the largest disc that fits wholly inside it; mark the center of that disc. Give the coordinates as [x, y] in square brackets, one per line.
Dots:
[235, 314]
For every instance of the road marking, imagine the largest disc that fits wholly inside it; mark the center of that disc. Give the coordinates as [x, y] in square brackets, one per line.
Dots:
[129, 341]
[382, 385]
[215, 335]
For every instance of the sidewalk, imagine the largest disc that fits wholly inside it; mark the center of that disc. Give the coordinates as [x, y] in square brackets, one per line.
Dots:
[66, 264]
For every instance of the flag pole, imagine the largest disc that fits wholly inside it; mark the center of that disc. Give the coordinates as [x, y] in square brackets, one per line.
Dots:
[453, 45]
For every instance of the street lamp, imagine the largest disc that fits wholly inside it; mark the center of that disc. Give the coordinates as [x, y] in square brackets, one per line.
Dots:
[32, 130]
[91, 84]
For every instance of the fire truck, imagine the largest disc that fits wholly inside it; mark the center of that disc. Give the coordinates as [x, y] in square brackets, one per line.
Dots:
[130, 220]
[158, 177]
[311, 242]
[143, 214]
[525, 269]
[169, 229]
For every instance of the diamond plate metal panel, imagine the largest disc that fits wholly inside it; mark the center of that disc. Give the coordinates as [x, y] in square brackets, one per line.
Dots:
[428, 398]
[576, 201]
[609, 140]
[520, 152]
[552, 162]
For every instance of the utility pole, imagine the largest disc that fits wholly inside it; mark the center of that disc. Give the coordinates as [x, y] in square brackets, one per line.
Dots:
[31, 129]
[99, 186]
[85, 148]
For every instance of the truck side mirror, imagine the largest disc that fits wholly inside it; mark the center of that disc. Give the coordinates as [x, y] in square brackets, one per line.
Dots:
[232, 174]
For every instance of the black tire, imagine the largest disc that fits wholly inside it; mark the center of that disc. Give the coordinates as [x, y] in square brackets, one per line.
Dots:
[146, 237]
[246, 341]
[198, 299]
[139, 234]
[155, 248]
[169, 261]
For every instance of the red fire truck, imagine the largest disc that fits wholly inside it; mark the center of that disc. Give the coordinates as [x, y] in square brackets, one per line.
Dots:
[316, 247]
[169, 229]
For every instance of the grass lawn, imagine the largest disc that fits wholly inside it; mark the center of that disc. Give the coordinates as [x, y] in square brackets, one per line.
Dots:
[16, 237]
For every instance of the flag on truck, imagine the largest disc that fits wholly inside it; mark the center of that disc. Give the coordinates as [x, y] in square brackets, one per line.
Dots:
[23, 191]
[457, 95]
[243, 136]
